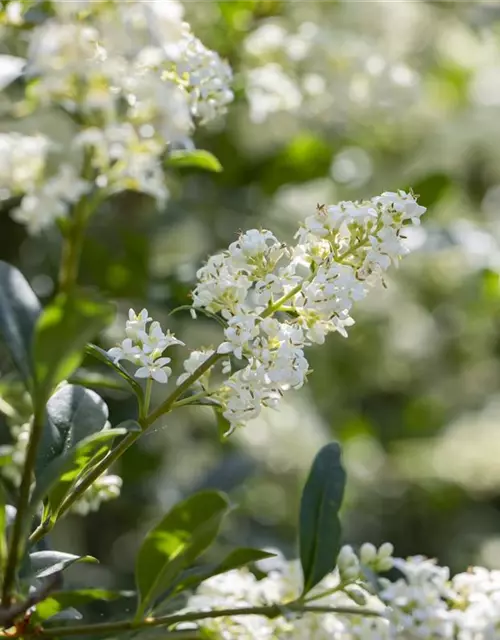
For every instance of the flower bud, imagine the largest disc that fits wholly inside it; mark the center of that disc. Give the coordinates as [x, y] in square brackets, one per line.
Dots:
[368, 553]
[356, 594]
[386, 550]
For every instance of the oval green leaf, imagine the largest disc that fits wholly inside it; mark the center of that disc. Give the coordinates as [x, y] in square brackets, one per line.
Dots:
[61, 474]
[193, 159]
[72, 414]
[46, 563]
[59, 601]
[234, 560]
[320, 530]
[61, 333]
[19, 312]
[175, 543]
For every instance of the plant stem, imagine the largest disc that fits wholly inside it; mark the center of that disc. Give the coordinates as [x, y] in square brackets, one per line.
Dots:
[268, 611]
[191, 399]
[20, 525]
[74, 232]
[323, 594]
[147, 396]
[72, 247]
[85, 483]
[168, 403]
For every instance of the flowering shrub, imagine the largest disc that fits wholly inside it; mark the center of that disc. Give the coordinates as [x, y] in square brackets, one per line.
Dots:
[136, 82]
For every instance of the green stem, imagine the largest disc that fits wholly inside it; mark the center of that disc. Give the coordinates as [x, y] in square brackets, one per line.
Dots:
[147, 397]
[323, 594]
[269, 611]
[276, 306]
[72, 247]
[169, 402]
[20, 525]
[74, 232]
[85, 483]
[191, 399]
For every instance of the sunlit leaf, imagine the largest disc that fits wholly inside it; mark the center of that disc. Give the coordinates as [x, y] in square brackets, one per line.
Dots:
[175, 543]
[59, 601]
[46, 563]
[62, 331]
[234, 560]
[320, 529]
[195, 159]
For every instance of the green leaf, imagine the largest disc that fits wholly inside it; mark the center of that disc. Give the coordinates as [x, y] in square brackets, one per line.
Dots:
[234, 560]
[106, 359]
[46, 563]
[19, 312]
[175, 543]
[196, 159]
[72, 414]
[320, 530]
[61, 333]
[60, 475]
[59, 601]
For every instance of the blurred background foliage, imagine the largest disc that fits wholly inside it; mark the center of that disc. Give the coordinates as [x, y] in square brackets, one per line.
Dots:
[334, 100]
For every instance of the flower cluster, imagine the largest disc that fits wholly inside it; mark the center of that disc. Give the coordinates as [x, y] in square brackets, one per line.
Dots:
[105, 488]
[276, 300]
[137, 82]
[144, 347]
[422, 603]
[325, 73]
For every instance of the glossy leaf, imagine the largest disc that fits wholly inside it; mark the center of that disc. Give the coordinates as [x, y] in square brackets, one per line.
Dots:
[319, 516]
[61, 333]
[59, 476]
[19, 312]
[195, 159]
[46, 563]
[175, 543]
[234, 560]
[72, 414]
[60, 601]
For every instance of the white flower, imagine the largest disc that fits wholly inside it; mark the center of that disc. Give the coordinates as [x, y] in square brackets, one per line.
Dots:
[240, 330]
[340, 252]
[154, 368]
[105, 488]
[127, 351]
[22, 162]
[195, 360]
[44, 204]
[136, 323]
[144, 347]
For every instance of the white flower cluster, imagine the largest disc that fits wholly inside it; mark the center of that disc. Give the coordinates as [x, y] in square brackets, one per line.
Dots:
[50, 200]
[138, 78]
[424, 603]
[313, 71]
[105, 488]
[23, 161]
[144, 347]
[276, 300]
